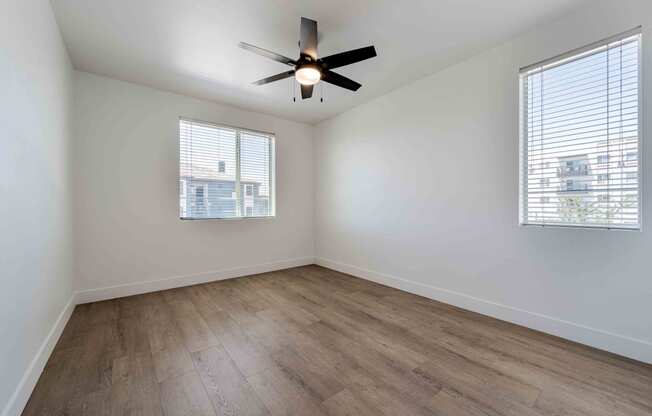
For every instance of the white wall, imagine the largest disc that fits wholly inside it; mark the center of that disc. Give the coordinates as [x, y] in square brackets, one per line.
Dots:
[419, 189]
[127, 222]
[36, 261]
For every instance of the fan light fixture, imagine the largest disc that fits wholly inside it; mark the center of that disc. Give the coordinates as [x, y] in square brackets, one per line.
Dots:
[307, 75]
[308, 69]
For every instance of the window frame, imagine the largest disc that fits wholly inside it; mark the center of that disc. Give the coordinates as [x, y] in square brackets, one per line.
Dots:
[523, 172]
[272, 169]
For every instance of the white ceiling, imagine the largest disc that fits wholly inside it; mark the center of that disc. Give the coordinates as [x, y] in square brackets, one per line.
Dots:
[190, 46]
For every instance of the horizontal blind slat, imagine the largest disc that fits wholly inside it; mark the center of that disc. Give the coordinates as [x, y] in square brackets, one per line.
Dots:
[581, 133]
[225, 172]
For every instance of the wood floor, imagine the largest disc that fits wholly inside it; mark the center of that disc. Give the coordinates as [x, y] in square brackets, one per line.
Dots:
[311, 341]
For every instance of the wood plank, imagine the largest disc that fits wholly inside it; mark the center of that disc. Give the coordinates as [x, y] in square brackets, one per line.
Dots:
[448, 402]
[369, 368]
[93, 367]
[227, 388]
[97, 403]
[282, 396]
[193, 329]
[391, 401]
[185, 396]
[133, 335]
[169, 354]
[503, 395]
[134, 390]
[346, 403]
[315, 379]
[249, 355]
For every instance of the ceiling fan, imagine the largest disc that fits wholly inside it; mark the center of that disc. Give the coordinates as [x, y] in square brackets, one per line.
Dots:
[308, 69]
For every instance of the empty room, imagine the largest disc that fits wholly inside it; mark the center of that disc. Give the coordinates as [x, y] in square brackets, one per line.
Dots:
[325, 208]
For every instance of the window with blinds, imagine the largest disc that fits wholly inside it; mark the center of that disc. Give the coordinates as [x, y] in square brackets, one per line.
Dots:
[225, 172]
[581, 137]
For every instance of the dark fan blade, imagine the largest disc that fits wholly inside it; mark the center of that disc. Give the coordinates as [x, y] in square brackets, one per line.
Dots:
[339, 80]
[267, 54]
[348, 58]
[308, 40]
[273, 78]
[306, 91]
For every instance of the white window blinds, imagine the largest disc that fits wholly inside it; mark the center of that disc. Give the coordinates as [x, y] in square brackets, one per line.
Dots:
[580, 137]
[225, 172]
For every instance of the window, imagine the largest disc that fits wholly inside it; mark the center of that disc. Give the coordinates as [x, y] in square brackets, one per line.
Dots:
[200, 199]
[631, 159]
[573, 166]
[575, 185]
[225, 172]
[182, 197]
[579, 118]
[631, 177]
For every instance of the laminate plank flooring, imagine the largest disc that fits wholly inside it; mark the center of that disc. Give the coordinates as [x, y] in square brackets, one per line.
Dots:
[312, 341]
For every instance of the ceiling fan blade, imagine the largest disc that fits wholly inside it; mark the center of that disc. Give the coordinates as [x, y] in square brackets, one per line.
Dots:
[308, 38]
[349, 57]
[306, 91]
[267, 54]
[339, 80]
[273, 78]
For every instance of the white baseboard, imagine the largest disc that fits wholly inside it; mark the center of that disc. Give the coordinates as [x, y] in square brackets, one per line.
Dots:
[112, 292]
[619, 344]
[19, 399]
